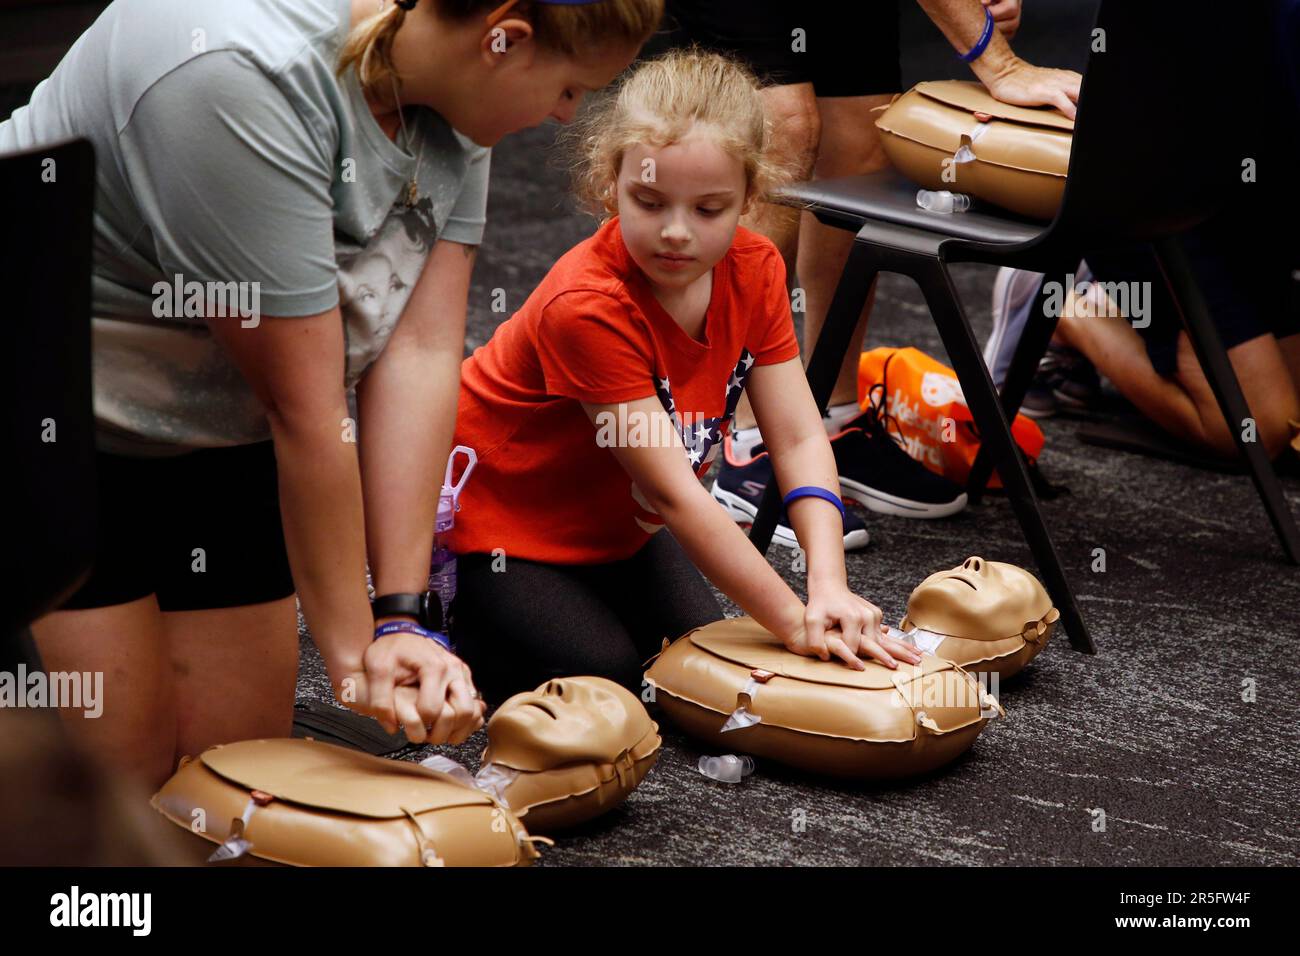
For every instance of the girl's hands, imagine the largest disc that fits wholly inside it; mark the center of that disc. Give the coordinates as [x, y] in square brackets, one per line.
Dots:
[837, 621]
[414, 682]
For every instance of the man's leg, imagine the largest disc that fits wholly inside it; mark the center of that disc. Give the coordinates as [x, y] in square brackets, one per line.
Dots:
[792, 109]
[1184, 404]
[850, 146]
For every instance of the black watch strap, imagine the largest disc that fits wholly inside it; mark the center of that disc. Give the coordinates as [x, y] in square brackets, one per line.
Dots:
[425, 608]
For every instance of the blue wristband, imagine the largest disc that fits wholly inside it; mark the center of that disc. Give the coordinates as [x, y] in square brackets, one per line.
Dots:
[810, 491]
[982, 43]
[410, 627]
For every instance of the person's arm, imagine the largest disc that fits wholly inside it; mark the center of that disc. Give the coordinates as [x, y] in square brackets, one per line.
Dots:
[294, 365]
[708, 535]
[407, 406]
[236, 186]
[1007, 77]
[295, 368]
[801, 456]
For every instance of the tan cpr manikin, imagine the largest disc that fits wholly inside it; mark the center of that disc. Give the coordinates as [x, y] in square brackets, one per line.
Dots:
[984, 615]
[568, 751]
[734, 685]
[306, 803]
[1015, 157]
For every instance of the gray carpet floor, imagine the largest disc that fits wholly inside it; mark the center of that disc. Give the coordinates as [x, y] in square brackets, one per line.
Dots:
[1196, 602]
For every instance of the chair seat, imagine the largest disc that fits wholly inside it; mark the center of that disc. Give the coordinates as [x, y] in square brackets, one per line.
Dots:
[850, 201]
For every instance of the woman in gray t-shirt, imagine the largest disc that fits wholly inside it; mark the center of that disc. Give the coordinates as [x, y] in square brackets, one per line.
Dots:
[289, 196]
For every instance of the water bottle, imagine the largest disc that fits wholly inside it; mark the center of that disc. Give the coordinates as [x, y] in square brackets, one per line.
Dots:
[726, 769]
[942, 201]
[442, 569]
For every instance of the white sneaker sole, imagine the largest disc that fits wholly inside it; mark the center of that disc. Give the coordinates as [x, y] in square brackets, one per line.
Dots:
[885, 504]
[742, 512]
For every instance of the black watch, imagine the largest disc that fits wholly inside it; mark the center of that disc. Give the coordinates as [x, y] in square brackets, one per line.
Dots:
[424, 608]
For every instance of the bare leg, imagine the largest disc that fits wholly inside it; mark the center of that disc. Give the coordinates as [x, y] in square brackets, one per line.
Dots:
[796, 129]
[796, 125]
[1290, 347]
[136, 732]
[235, 671]
[1184, 405]
[850, 146]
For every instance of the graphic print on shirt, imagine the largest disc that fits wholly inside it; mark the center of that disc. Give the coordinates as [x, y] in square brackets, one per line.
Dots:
[375, 281]
[702, 438]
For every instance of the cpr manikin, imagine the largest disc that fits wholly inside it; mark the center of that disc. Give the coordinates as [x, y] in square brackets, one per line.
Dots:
[735, 686]
[982, 615]
[568, 751]
[306, 803]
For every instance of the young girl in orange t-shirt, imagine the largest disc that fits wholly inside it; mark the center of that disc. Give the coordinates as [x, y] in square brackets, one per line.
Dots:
[596, 408]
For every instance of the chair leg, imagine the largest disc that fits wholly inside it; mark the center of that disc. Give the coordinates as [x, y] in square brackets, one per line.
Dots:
[995, 434]
[1223, 380]
[824, 365]
[1024, 365]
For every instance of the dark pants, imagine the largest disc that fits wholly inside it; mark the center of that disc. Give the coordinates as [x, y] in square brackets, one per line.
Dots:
[528, 623]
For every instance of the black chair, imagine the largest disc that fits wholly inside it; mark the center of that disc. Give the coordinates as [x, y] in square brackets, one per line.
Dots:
[1141, 100]
[45, 260]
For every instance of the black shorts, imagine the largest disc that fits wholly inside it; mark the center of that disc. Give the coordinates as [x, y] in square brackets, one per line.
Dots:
[200, 530]
[847, 49]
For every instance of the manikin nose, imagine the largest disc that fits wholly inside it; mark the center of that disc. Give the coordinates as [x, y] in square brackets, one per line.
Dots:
[974, 564]
[554, 688]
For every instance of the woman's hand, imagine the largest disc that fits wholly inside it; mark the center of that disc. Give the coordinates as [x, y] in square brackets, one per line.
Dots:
[414, 682]
[837, 621]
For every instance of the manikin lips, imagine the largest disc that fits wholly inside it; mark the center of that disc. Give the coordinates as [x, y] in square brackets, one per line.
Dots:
[543, 707]
[969, 584]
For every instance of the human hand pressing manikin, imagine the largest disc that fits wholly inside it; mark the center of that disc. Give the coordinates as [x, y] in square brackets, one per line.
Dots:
[838, 622]
[415, 683]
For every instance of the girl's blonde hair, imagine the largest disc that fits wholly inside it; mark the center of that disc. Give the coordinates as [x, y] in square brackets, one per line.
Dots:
[657, 104]
[566, 29]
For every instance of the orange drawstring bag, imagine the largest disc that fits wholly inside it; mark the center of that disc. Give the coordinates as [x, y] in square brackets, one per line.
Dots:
[924, 405]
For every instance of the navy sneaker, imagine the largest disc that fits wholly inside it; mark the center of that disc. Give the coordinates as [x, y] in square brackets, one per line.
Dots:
[877, 473]
[1065, 382]
[739, 488]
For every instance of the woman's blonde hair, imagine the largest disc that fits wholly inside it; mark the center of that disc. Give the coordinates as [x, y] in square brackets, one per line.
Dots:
[566, 29]
[657, 104]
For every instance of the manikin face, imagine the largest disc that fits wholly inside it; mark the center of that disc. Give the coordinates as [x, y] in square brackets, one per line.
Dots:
[678, 208]
[564, 721]
[980, 600]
